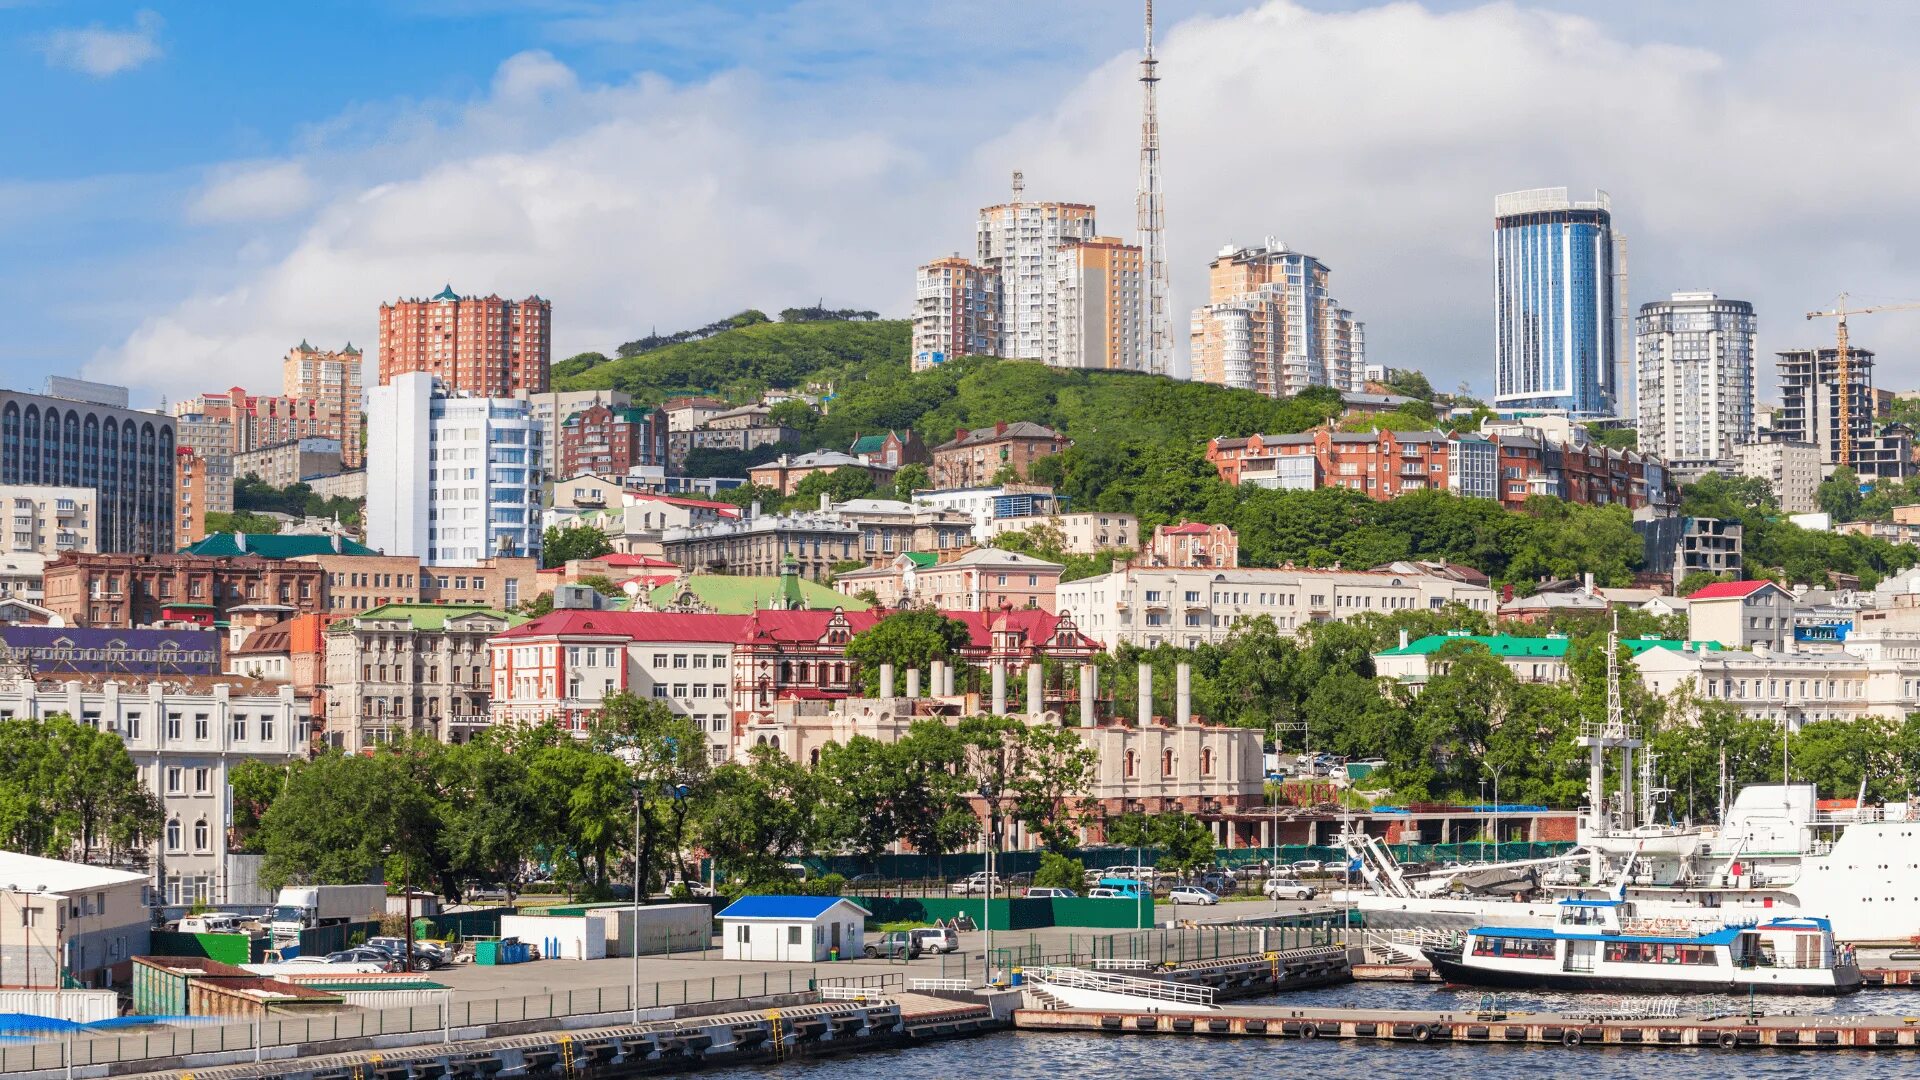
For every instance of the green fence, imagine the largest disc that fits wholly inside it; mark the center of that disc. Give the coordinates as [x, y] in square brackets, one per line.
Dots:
[226, 948]
[1016, 914]
[464, 924]
[321, 940]
[1124, 914]
[1009, 863]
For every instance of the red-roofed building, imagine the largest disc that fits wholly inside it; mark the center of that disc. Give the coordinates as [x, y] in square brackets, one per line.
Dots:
[1741, 614]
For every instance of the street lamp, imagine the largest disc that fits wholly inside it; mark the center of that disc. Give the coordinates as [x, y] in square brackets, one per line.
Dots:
[988, 793]
[631, 756]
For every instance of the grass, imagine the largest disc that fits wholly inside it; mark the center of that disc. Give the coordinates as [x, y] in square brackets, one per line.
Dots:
[899, 924]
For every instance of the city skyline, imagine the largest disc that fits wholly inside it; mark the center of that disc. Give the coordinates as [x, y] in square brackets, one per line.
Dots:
[506, 156]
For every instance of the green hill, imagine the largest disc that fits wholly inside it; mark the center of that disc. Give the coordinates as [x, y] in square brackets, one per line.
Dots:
[741, 364]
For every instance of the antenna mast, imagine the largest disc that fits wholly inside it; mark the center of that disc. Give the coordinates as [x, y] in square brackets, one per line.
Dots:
[1152, 217]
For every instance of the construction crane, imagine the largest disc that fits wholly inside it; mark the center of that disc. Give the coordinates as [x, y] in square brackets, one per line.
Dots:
[1844, 364]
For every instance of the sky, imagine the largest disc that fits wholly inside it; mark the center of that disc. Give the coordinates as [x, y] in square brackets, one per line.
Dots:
[189, 189]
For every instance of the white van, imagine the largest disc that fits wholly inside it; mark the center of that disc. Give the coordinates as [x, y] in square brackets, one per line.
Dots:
[212, 922]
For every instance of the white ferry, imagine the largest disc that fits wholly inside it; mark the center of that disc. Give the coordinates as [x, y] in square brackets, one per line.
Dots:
[1599, 945]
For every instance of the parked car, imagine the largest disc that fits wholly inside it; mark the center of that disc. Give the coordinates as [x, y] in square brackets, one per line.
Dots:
[364, 955]
[426, 955]
[1218, 883]
[936, 939]
[1050, 892]
[1307, 866]
[892, 944]
[1286, 888]
[978, 883]
[1103, 892]
[1192, 894]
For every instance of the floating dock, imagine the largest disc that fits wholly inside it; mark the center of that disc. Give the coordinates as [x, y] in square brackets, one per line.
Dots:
[1255, 975]
[1416, 1028]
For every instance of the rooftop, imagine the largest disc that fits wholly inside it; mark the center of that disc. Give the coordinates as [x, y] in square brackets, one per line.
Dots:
[30, 873]
[276, 546]
[785, 907]
[428, 617]
[1721, 590]
[729, 594]
[1514, 645]
[1019, 429]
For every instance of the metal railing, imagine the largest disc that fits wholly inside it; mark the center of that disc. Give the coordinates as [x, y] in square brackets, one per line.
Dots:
[81, 1051]
[939, 984]
[1114, 983]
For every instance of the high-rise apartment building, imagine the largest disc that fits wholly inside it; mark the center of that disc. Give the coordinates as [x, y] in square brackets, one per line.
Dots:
[609, 442]
[1809, 412]
[193, 486]
[1696, 379]
[1271, 325]
[555, 406]
[332, 378]
[1020, 243]
[1559, 300]
[956, 312]
[1101, 306]
[481, 345]
[124, 455]
[459, 476]
[248, 422]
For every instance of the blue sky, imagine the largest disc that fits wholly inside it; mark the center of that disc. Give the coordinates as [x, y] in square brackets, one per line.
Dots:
[189, 188]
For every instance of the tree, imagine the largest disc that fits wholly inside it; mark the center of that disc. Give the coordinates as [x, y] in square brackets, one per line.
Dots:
[241, 521]
[666, 758]
[69, 791]
[761, 815]
[846, 482]
[906, 639]
[912, 477]
[328, 824]
[538, 605]
[255, 784]
[1185, 842]
[1839, 495]
[1060, 872]
[560, 545]
[1042, 774]
[912, 790]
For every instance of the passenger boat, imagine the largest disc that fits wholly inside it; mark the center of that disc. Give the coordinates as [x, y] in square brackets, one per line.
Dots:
[1599, 945]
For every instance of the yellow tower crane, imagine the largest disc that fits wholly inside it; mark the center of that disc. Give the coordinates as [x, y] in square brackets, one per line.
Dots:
[1844, 366]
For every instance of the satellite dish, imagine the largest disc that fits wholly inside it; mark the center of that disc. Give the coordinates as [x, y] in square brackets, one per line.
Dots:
[631, 588]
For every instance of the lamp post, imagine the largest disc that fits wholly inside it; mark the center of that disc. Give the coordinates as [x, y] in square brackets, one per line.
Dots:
[988, 792]
[631, 755]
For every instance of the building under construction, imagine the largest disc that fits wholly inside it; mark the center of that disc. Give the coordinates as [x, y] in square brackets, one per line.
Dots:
[1811, 409]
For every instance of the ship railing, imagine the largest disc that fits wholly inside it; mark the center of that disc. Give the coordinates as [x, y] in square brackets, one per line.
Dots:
[1114, 983]
[1634, 1009]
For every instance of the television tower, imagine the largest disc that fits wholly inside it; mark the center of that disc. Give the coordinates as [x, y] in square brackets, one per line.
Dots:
[1152, 207]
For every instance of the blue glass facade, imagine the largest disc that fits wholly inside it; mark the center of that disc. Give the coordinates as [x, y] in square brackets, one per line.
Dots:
[1555, 309]
[124, 455]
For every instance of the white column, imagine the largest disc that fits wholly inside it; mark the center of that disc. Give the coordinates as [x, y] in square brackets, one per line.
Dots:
[939, 678]
[1036, 689]
[886, 680]
[1183, 694]
[913, 682]
[999, 688]
[1087, 677]
[1146, 694]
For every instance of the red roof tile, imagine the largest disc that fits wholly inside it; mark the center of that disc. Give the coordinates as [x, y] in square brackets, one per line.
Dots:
[1723, 589]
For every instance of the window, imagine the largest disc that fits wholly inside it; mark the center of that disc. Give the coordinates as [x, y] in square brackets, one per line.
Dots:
[679, 660]
[133, 725]
[173, 780]
[745, 936]
[266, 728]
[201, 835]
[201, 728]
[201, 778]
[660, 690]
[173, 725]
[239, 728]
[793, 934]
[173, 835]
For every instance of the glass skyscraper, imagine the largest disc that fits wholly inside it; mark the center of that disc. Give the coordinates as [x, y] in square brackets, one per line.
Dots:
[1559, 281]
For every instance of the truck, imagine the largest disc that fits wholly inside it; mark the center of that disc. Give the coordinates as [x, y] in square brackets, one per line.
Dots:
[302, 907]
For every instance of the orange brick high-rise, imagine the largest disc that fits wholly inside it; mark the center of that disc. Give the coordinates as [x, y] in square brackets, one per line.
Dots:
[483, 345]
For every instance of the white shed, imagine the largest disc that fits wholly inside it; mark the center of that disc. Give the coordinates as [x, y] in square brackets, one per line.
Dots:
[798, 928]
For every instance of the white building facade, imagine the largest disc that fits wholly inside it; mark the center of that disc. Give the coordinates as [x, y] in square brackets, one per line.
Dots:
[455, 479]
[1694, 358]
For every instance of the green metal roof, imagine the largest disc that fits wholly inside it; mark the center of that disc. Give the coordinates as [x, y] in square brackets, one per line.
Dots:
[431, 616]
[447, 293]
[923, 559]
[1512, 645]
[868, 444]
[731, 595]
[274, 546]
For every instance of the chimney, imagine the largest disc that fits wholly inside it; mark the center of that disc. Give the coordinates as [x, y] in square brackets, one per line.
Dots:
[1000, 428]
[1587, 579]
[913, 682]
[1036, 689]
[1089, 687]
[939, 688]
[1183, 694]
[959, 433]
[1403, 639]
[999, 688]
[886, 680]
[754, 510]
[1146, 694]
[826, 503]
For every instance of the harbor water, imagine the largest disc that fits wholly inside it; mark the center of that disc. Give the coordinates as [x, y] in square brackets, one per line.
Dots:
[1047, 1056]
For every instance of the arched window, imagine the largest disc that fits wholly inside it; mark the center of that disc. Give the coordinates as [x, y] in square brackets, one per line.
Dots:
[1206, 761]
[1133, 764]
[813, 757]
[774, 742]
[201, 835]
[173, 834]
[1166, 763]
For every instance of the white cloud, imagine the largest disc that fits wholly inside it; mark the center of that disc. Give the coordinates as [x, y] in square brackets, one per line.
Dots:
[1373, 139]
[98, 51]
[254, 193]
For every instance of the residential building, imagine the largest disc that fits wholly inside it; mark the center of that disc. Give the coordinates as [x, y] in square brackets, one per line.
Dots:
[888, 526]
[1893, 532]
[49, 520]
[1694, 355]
[407, 669]
[1510, 463]
[23, 577]
[609, 441]
[1356, 403]
[554, 406]
[1792, 468]
[346, 485]
[893, 449]
[1150, 606]
[1193, 544]
[287, 463]
[687, 413]
[1741, 614]
[1270, 325]
[460, 480]
[1680, 546]
[976, 458]
[785, 472]
[759, 543]
[633, 521]
[1788, 687]
[184, 734]
[482, 346]
[66, 925]
[1531, 659]
[128, 461]
[330, 377]
[194, 483]
[736, 438]
[890, 583]
[988, 504]
[956, 312]
[503, 583]
[1019, 243]
[1559, 304]
[1810, 412]
[125, 590]
[1101, 289]
[1077, 534]
[985, 579]
[251, 421]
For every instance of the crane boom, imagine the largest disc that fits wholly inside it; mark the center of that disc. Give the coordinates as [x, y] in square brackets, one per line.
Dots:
[1843, 364]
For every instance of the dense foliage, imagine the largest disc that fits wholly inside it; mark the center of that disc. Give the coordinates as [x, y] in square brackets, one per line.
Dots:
[1776, 548]
[70, 791]
[250, 493]
[560, 545]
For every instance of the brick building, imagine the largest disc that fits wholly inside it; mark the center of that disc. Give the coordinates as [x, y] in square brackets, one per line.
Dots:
[483, 345]
[974, 458]
[331, 378]
[282, 464]
[1192, 543]
[410, 668]
[124, 590]
[609, 441]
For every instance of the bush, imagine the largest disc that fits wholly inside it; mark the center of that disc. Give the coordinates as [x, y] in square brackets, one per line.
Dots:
[1059, 872]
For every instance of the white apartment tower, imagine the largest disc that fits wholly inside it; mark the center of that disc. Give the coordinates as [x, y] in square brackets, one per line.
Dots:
[1272, 325]
[1694, 359]
[456, 478]
[1020, 243]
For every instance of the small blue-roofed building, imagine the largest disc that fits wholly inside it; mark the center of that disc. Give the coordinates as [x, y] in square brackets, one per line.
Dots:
[802, 929]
